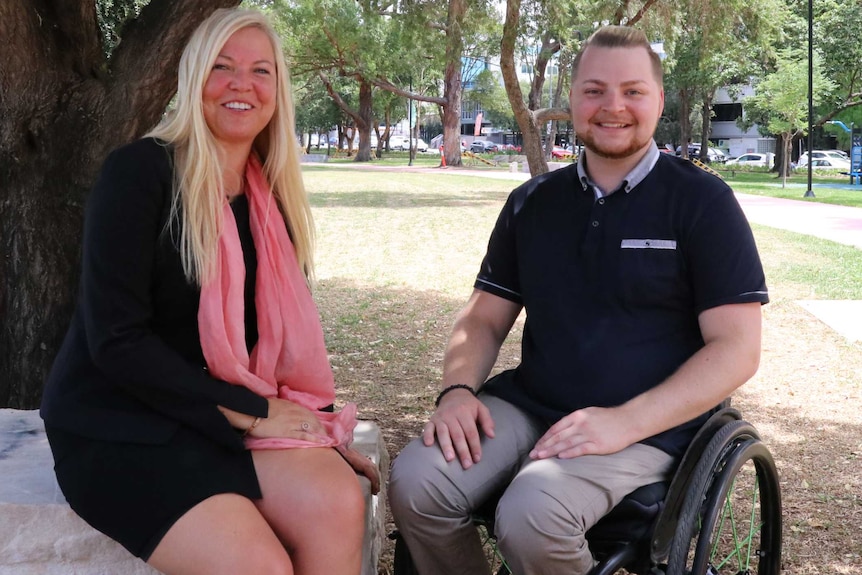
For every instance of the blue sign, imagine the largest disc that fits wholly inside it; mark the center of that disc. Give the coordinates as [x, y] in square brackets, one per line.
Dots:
[856, 153]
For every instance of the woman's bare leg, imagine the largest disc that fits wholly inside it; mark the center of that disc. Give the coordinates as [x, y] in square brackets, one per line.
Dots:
[224, 534]
[313, 501]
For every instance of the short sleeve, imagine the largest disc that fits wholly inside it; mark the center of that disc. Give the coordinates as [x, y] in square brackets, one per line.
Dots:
[498, 273]
[724, 261]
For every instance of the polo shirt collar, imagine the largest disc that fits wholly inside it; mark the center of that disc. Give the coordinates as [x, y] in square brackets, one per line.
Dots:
[632, 179]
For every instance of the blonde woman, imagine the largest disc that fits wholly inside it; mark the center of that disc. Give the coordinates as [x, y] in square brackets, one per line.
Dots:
[190, 407]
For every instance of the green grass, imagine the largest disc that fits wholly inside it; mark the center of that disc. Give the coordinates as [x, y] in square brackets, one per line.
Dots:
[798, 266]
[828, 189]
[423, 231]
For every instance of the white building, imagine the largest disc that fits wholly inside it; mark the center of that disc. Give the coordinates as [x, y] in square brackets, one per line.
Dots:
[727, 135]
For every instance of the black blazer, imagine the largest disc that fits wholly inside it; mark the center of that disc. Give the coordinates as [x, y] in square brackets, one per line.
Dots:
[131, 367]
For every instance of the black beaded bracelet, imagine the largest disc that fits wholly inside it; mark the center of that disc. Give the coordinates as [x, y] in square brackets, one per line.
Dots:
[453, 387]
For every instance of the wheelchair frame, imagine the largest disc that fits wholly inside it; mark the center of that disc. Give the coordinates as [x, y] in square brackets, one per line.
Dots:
[691, 525]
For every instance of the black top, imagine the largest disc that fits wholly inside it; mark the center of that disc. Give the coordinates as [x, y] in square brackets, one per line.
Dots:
[613, 286]
[131, 367]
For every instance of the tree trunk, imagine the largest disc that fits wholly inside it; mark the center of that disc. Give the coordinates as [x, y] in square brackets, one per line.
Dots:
[452, 88]
[64, 107]
[532, 146]
[363, 118]
[684, 121]
[706, 119]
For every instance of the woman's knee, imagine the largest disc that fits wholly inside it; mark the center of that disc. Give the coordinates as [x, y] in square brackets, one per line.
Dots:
[222, 534]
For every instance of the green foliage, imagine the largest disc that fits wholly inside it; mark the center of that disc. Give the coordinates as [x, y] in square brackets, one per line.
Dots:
[112, 16]
[780, 104]
[488, 92]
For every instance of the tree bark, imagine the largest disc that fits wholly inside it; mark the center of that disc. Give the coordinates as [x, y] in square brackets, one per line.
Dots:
[63, 106]
[363, 118]
[685, 97]
[526, 119]
[452, 88]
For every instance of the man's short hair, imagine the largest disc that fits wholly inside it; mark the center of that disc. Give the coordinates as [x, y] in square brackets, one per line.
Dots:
[620, 37]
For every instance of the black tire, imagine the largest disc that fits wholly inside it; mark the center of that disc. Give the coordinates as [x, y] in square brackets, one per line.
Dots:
[731, 520]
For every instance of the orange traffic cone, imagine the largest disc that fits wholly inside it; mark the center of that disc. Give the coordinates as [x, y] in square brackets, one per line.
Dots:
[442, 157]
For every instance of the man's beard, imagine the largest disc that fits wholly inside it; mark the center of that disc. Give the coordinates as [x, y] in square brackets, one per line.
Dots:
[611, 153]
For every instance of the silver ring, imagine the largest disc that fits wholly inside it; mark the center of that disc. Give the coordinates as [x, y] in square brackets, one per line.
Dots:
[304, 426]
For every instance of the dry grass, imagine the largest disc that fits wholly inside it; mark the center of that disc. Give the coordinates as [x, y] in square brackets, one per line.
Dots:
[397, 255]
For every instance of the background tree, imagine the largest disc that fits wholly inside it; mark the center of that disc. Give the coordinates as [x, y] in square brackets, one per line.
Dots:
[66, 99]
[488, 92]
[717, 44]
[780, 103]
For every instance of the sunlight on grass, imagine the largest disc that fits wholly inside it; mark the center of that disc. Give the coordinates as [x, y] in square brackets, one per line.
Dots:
[804, 267]
[827, 190]
[407, 230]
[429, 232]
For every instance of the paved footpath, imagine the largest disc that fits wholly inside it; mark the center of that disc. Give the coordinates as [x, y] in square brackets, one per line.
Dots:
[840, 224]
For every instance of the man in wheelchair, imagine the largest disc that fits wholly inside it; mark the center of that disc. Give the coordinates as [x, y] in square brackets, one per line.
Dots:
[642, 288]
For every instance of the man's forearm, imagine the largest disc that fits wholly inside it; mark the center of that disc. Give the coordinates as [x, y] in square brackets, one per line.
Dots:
[730, 358]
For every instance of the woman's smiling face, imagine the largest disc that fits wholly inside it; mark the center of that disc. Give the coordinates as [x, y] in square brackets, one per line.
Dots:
[240, 93]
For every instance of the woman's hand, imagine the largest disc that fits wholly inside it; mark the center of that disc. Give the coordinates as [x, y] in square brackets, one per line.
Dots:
[362, 465]
[284, 419]
[288, 419]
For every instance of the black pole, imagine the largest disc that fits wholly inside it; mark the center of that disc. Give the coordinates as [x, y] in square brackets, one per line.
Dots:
[410, 126]
[809, 193]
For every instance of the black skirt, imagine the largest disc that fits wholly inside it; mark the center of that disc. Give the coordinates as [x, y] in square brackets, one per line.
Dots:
[134, 493]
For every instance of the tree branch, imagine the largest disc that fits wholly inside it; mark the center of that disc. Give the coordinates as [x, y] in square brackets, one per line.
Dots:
[640, 13]
[144, 65]
[385, 84]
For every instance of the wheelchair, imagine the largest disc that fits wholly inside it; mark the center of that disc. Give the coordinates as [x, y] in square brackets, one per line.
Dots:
[720, 514]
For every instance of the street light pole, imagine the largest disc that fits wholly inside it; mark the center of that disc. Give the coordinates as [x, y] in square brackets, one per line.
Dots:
[809, 193]
[410, 125]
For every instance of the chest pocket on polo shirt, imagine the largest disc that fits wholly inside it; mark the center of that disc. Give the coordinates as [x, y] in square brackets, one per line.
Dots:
[651, 271]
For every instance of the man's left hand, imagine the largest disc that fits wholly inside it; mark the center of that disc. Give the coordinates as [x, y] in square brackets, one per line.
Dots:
[588, 431]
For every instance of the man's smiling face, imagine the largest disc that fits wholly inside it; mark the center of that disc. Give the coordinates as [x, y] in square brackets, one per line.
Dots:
[616, 101]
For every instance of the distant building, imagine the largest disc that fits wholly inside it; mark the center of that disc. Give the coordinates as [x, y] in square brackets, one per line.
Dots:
[727, 135]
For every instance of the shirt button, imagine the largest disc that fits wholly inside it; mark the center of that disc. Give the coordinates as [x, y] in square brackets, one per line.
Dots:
[602, 201]
[595, 224]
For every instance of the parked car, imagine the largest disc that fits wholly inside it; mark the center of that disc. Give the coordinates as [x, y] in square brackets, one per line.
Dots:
[397, 143]
[561, 152]
[712, 154]
[830, 164]
[821, 154]
[751, 159]
[404, 144]
[481, 146]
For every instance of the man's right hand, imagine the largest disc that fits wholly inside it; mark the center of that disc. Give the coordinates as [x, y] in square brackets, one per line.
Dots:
[457, 423]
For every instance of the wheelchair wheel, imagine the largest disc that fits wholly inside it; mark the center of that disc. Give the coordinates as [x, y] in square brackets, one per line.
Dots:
[731, 522]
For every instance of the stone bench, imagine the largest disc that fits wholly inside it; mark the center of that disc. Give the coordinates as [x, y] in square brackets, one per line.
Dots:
[41, 535]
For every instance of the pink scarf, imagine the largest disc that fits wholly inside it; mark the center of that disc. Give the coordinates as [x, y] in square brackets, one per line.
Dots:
[289, 360]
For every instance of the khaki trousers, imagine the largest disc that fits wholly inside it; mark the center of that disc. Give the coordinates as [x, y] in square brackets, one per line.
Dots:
[543, 514]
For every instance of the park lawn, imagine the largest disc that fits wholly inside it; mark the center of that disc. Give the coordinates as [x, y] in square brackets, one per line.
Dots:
[396, 258]
[831, 189]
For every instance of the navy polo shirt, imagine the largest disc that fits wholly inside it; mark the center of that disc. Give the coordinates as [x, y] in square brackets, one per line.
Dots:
[613, 285]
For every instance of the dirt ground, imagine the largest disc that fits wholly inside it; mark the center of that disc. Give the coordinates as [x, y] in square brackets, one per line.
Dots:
[805, 402]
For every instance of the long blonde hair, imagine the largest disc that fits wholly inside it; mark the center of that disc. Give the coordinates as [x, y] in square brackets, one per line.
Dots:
[198, 186]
